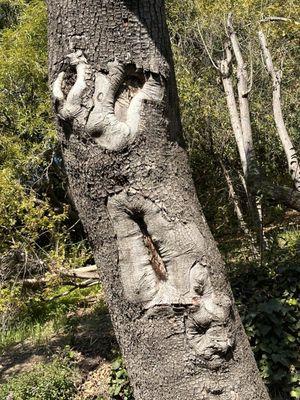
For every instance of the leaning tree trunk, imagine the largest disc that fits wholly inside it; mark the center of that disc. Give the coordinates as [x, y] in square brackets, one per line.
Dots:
[290, 152]
[172, 309]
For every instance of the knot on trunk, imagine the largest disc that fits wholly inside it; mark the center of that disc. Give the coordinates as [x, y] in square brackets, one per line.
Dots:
[112, 116]
[162, 266]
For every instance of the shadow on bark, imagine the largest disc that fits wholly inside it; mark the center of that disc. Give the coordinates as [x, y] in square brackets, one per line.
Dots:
[156, 35]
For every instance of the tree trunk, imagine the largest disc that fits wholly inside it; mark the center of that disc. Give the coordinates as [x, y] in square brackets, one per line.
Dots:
[237, 208]
[241, 123]
[290, 152]
[170, 303]
[226, 76]
[241, 126]
[243, 95]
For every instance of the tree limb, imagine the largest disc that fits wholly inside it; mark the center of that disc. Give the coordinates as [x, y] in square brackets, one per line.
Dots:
[243, 93]
[279, 19]
[232, 105]
[90, 272]
[291, 155]
[87, 283]
[206, 49]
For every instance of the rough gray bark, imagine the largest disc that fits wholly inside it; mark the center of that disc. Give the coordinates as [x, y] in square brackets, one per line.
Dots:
[165, 284]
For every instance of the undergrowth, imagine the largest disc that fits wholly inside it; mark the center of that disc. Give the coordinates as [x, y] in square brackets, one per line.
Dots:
[42, 315]
[120, 388]
[53, 381]
[267, 296]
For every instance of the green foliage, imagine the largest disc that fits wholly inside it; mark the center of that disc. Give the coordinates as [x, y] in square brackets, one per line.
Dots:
[34, 211]
[25, 104]
[38, 317]
[268, 300]
[26, 130]
[119, 383]
[9, 12]
[39, 230]
[56, 380]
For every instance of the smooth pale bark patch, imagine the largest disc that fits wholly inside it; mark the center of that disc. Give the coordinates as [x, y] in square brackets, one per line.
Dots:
[111, 121]
[161, 261]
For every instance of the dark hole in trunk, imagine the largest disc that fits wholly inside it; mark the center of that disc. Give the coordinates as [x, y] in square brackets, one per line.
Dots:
[155, 256]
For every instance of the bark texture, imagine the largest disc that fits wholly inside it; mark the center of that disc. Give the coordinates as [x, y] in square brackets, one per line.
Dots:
[115, 96]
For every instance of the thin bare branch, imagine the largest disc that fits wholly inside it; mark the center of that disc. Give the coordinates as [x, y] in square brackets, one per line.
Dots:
[206, 49]
[89, 272]
[250, 83]
[86, 284]
[279, 19]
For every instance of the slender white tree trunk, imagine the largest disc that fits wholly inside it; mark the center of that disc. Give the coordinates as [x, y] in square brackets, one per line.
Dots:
[290, 152]
[232, 107]
[243, 95]
[241, 125]
[245, 118]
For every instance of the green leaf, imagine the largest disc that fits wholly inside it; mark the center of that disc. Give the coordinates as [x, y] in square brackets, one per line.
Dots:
[116, 365]
[117, 390]
[119, 374]
[296, 393]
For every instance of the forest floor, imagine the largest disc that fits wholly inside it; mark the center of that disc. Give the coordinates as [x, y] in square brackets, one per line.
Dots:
[87, 338]
[76, 327]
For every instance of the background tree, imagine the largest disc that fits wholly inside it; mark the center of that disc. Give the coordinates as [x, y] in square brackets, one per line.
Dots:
[215, 135]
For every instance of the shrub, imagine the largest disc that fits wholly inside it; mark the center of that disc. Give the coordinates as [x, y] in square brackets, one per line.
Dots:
[119, 383]
[53, 381]
[267, 297]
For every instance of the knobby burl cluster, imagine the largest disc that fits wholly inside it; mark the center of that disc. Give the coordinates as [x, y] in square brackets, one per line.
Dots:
[162, 264]
[98, 116]
[161, 258]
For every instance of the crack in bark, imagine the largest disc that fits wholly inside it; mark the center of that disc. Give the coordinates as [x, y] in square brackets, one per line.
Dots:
[155, 256]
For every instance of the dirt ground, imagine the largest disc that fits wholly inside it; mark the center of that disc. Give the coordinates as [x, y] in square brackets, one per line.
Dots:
[92, 342]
